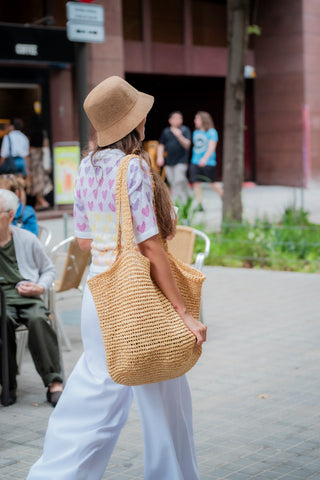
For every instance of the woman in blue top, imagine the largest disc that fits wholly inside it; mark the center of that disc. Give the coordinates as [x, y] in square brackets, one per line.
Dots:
[203, 161]
[25, 216]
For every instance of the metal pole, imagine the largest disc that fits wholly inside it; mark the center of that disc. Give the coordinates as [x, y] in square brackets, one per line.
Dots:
[4, 352]
[82, 90]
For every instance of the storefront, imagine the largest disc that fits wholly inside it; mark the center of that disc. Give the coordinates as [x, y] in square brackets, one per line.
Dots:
[33, 62]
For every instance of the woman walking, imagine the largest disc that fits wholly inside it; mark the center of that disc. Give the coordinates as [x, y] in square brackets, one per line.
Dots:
[203, 161]
[92, 410]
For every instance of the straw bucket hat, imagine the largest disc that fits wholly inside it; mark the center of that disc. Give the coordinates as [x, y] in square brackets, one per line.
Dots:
[115, 108]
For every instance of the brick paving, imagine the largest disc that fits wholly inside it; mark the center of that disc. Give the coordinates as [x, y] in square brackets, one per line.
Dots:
[256, 389]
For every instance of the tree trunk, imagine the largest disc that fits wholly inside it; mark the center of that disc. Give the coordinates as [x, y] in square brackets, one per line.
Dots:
[233, 151]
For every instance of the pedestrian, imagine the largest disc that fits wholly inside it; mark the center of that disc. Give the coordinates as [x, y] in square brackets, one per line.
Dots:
[176, 142]
[203, 167]
[26, 273]
[39, 184]
[16, 145]
[25, 216]
[85, 426]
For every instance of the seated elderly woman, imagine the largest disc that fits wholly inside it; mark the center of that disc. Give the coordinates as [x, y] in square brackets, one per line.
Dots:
[25, 273]
[25, 216]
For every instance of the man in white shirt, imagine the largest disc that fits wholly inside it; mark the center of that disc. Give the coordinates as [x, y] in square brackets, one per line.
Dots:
[17, 145]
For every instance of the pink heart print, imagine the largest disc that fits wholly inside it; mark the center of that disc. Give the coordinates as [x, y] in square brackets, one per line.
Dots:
[80, 207]
[91, 180]
[78, 194]
[87, 169]
[100, 206]
[132, 182]
[139, 188]
[90, 205]
[112, 207]
[95, 193]
[141, 228]
[84, 192]
[133, 168]
[81, 181]
[135, 205]
[145, 211]
[81, 226]
[104, 194]
[110, 183]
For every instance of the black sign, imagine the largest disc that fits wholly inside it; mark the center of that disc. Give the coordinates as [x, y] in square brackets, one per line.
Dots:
[35, 44]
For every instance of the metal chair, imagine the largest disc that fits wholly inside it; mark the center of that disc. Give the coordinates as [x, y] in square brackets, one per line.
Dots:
[182, 247]
[75, 263]
[45, 235]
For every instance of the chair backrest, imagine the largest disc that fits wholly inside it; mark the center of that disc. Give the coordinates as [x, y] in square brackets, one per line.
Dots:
[74, 267]
[182, 245]
[44, 235]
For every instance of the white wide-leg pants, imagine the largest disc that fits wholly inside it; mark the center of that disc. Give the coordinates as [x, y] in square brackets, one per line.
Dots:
[86, 423]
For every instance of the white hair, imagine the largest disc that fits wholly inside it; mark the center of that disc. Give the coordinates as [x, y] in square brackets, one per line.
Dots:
[8, 200]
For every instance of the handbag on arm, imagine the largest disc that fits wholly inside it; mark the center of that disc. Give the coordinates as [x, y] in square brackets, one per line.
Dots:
[8, 166]
[145, 339]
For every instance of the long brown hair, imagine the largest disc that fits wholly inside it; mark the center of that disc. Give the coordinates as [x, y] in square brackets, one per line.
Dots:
[132, 145]
[207, 121]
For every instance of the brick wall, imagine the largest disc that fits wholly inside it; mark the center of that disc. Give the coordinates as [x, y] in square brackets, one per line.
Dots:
[311, 39]
[279, 93]
[107, 58]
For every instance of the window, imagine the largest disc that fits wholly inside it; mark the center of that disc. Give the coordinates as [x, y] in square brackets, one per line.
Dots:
[167, 21]
[209, 22]
[132, 20]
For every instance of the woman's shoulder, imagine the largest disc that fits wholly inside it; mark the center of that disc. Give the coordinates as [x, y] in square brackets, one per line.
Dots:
[212, 134]
[137, 165]
[28, 211]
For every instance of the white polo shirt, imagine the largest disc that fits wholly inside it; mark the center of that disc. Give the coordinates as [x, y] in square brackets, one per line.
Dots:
[19, 145]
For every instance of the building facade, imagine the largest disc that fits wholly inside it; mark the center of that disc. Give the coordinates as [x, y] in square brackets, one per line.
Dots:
[176, 50]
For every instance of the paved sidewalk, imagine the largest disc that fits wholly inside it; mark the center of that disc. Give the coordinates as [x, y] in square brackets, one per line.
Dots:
[256, 389]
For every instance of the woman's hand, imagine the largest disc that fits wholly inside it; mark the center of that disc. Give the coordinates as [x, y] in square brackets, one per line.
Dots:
[195, 326]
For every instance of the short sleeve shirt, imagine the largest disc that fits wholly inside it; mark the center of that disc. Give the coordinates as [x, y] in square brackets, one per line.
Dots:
[95, 203]
[201, 140]
[175, 151]
[19, 145]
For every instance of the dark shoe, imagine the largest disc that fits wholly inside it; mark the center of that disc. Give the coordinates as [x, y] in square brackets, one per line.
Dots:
[53, 397]
[12, 398]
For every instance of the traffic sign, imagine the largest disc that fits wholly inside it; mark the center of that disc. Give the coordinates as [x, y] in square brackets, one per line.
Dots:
[85, 22]
[78, 12]
[79, 32]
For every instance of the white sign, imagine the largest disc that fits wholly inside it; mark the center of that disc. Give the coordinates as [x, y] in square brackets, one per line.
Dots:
[26, 49]
[80, 32]
[79, 12]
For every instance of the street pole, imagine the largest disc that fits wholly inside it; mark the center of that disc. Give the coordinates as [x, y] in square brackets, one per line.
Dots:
[82, 91]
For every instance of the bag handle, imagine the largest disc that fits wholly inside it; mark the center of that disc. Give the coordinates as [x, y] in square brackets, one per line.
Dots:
[10, 145]
[124, 219]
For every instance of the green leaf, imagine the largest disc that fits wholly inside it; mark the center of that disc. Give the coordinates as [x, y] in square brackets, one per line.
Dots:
[254, 30]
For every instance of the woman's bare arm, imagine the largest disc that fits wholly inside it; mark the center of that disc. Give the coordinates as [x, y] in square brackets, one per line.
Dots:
[84, 243]
[162, 274]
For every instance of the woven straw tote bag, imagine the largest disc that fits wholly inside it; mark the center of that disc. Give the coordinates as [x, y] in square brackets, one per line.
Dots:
[145, 339]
